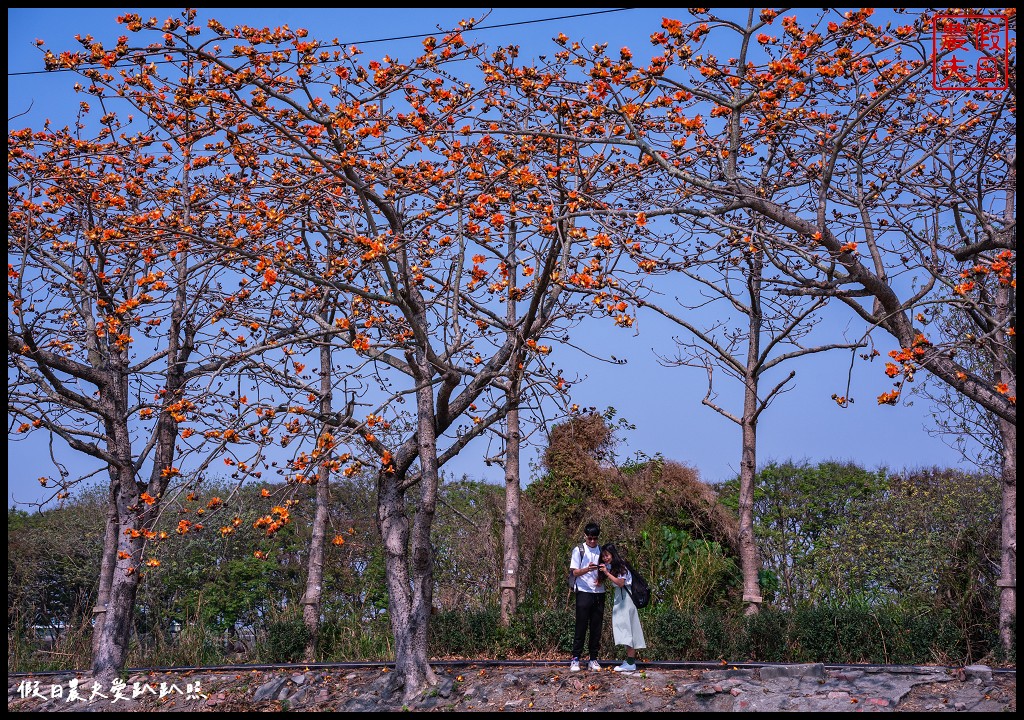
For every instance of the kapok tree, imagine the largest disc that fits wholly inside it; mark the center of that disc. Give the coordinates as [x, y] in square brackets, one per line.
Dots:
[632, 265]
[879, 165]
[482, 240]
[736, 321]
[123, 324]
[526, 98]
[389, 170]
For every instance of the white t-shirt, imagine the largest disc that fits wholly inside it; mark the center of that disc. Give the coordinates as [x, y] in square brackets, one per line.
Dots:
[587, 582]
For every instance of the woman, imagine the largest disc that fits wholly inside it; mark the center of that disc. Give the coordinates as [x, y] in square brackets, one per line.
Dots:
[625, 618]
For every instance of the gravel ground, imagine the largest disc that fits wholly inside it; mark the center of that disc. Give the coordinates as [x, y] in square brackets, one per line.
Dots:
[549, 688]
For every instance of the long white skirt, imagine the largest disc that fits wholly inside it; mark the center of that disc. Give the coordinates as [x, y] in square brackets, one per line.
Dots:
[626, 621]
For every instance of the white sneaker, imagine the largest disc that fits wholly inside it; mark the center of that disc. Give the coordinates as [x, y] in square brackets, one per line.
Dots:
[626, 666]
[574, 666]
[594, 666]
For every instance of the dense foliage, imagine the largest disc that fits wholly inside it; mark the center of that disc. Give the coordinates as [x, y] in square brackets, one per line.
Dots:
[862, 565]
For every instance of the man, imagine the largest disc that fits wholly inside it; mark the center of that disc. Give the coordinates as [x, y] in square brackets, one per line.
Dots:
[584, 564]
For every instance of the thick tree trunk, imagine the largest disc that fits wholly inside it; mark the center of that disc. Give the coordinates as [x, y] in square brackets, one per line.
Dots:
[1008, 555]
[106, 568]
[408, 625]
[317, 546]
[417, 670]
[510, 558]
[111, 649]
[408, 555]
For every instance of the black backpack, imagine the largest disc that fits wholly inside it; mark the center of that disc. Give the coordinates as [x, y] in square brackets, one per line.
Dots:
[639, 591]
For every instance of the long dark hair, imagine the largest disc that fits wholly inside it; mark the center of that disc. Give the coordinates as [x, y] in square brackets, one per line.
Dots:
[618, 568]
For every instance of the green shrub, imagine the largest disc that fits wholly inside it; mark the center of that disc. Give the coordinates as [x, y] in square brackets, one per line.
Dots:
[910, 636]
[345, 638]
[669, 634]
[767, 636]
[286, 639]
[540, 630]
[883, 634]
[718, 636]
[857, 633]
[195, 645]
[465, 634]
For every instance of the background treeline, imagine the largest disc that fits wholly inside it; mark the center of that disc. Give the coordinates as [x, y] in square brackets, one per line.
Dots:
[859, 566]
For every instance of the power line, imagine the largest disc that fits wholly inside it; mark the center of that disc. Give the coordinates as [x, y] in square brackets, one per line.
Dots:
[492, 27]
[387, 39]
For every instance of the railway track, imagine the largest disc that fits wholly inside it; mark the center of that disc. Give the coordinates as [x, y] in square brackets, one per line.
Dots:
[654, 664]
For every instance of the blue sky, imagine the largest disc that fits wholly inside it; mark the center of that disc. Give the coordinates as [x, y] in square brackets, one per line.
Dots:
[663, 402]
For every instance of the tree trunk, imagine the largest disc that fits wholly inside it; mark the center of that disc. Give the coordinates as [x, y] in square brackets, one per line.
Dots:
[508, 580]
[111, 649]
[510, 560]
[106, 568]
[314, 579]
[408, 548]
[1008, 556]
[411, 668]
[1006, 313]
[750, 557]
[317, 546]
[417, 669]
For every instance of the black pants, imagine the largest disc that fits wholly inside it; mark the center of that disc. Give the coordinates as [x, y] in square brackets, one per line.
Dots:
[589, 616]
